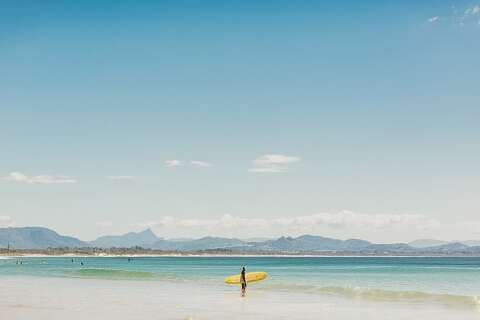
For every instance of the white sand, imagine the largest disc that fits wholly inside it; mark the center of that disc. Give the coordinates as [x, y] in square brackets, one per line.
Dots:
[23, 298]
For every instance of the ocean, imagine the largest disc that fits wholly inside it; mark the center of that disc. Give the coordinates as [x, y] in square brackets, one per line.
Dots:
[296, 288]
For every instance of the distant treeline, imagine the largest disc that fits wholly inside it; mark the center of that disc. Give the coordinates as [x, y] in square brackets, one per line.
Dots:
[94, 251]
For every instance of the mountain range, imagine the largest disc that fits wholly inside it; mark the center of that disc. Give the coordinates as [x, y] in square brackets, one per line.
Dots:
[41, 238]
[36, 238]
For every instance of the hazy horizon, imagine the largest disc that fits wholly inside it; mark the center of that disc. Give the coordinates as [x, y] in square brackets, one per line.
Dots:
[241, 119]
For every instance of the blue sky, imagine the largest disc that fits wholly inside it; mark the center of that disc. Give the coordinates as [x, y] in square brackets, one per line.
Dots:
[343, 119]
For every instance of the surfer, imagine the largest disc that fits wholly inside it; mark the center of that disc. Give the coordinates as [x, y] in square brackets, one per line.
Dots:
[243, 281]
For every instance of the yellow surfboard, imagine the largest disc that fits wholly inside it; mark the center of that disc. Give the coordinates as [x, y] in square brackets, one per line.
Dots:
[249, 276]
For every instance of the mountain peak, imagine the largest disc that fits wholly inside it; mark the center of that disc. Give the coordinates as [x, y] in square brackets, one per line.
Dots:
[143, 238]
[148, 232]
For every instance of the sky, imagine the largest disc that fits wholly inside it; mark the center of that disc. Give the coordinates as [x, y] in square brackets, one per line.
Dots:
[352, 119]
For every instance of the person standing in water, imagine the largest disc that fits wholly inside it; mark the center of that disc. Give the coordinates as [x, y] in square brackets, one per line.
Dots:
[243, 282]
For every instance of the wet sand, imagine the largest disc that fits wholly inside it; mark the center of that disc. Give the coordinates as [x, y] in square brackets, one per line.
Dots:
[42, 298]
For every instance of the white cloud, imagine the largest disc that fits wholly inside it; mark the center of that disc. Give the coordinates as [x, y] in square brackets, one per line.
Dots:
[273, 163]
[200, 164]
[6, 221]
[358, 220]
[121, 177]
[226, 221]
[191, 163]
[44, 179]
[467, 16]
[173, 163]
[104, 224]
[275, 159]
[472, 10]
[433, 19]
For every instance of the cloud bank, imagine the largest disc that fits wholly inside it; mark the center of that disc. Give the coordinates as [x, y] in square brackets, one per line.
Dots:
[191, 163]
[273, 163]
[200, 164]
[229, 224]
[42, 179]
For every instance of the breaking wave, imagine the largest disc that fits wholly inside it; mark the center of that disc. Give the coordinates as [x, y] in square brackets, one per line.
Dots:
[376, 294]
[391, 295]
[111, 274]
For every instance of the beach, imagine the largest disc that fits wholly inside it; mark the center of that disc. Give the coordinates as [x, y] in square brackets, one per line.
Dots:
[42, 298]
[192, 288]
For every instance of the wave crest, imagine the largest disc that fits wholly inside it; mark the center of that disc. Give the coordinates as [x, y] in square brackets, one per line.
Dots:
[384, 294]
[111, 274]
[391, 295]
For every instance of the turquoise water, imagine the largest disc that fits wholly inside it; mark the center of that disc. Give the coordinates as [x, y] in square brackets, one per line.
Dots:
[453, 280]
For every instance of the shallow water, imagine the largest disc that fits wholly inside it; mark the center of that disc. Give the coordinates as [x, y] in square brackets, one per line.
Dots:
[341, 287]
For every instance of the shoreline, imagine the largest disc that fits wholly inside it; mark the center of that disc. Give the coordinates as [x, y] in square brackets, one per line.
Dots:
[199, 255]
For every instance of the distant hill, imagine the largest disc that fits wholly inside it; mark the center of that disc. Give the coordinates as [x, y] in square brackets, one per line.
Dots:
[425, 243]
[36, 238]
[471, 243]
[453, 247]
[313, 243]
[41, 238]
[143, 239]
[205, 243]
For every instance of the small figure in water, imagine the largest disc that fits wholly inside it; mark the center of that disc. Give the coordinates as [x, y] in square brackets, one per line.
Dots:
[72, 260]
[129, 259]
[243, 282]
[81, 263]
